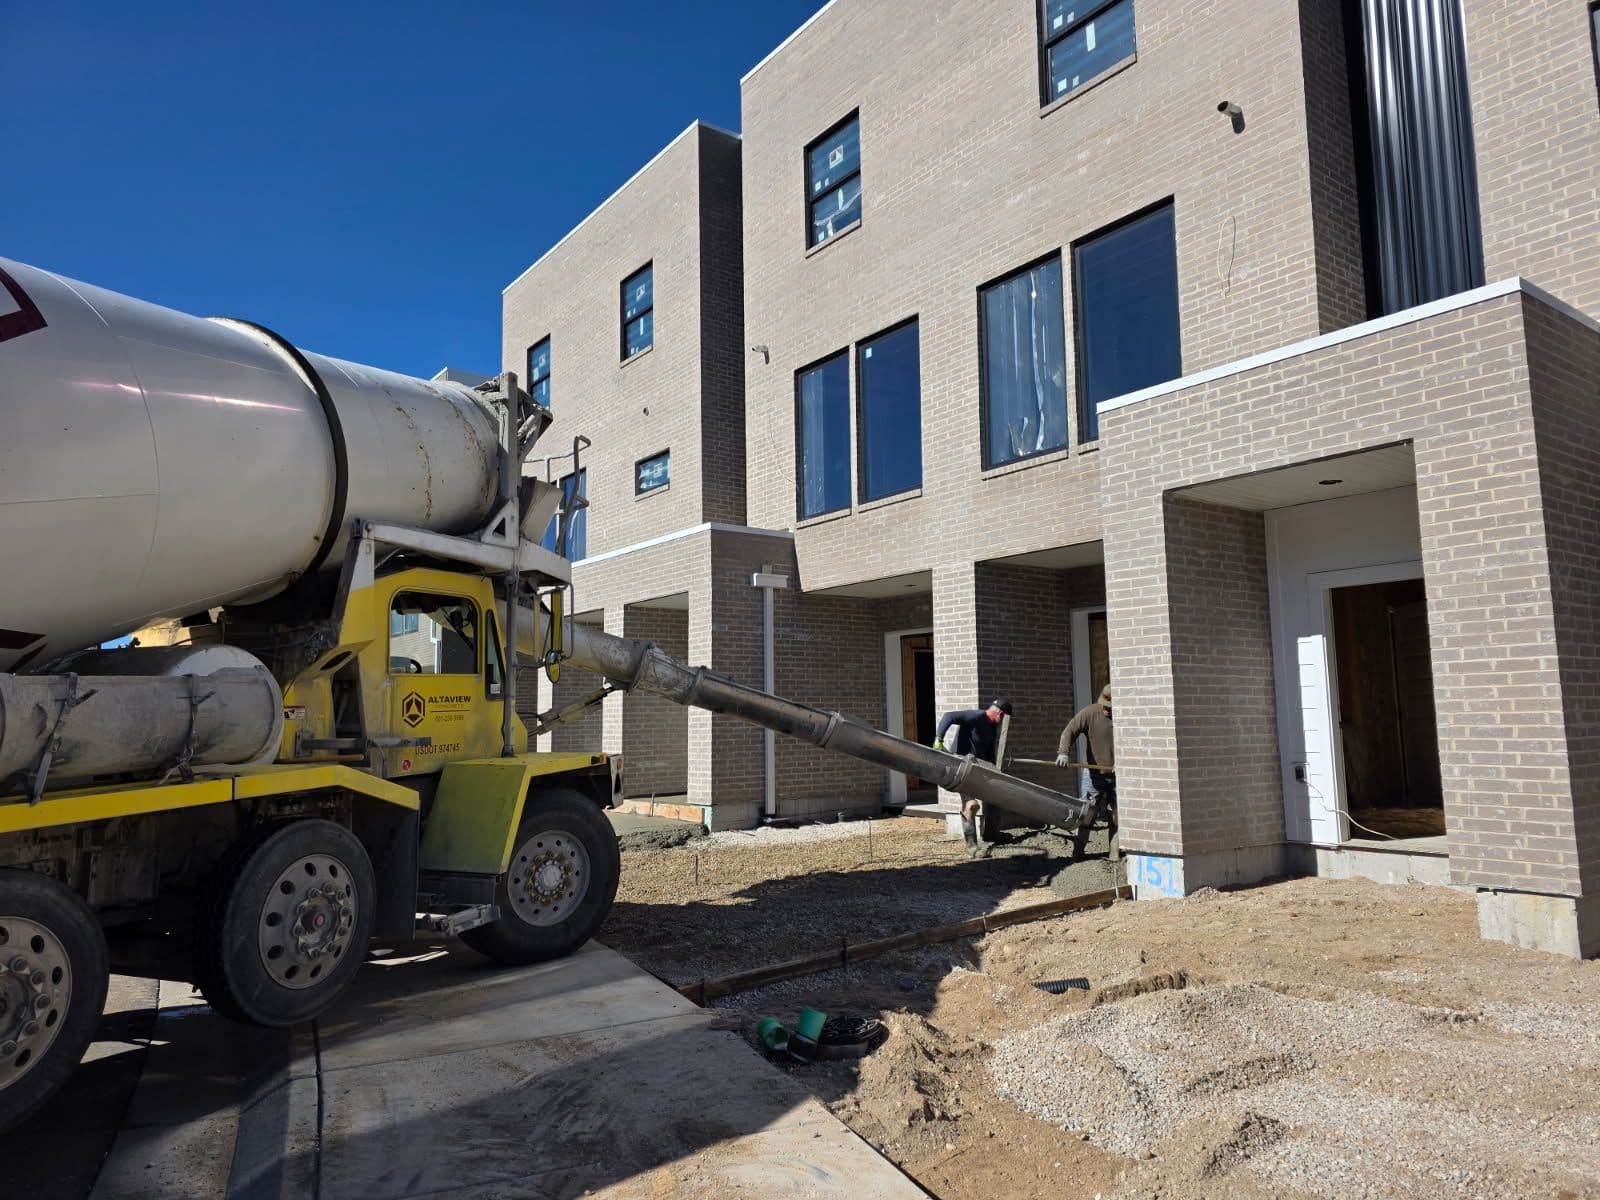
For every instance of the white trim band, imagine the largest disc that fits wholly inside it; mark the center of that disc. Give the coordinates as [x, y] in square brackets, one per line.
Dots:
[675, 535]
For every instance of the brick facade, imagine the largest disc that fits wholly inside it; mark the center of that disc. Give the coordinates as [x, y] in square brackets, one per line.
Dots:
[965, 179]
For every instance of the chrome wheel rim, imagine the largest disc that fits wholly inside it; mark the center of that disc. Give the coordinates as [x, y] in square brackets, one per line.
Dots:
[306, 920]
[35, 991]
[549, 877]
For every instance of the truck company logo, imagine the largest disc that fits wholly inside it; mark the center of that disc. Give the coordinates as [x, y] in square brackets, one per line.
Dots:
[413, 709]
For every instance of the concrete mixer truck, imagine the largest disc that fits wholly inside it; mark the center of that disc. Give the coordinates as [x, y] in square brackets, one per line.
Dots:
[329, 752]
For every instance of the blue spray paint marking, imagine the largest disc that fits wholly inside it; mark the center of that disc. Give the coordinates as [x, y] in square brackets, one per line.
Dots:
[1157, 876]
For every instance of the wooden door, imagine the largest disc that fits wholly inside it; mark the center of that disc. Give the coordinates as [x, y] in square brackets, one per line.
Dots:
[916, 692]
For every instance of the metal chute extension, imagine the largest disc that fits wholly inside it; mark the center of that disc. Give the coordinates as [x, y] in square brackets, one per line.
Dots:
[631, 664]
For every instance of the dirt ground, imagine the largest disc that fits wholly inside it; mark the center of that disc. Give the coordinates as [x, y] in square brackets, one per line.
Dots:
[735, 901]
[1310, 1038]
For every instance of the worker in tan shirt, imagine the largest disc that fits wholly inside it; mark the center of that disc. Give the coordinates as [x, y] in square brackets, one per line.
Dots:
[1094, 723]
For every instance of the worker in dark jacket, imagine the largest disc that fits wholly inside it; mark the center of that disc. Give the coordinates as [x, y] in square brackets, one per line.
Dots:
[1094, 723]
[974, 731]
[977, 730]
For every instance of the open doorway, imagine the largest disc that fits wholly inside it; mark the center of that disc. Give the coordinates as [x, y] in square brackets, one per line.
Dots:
[908, 656]
[1388, 739]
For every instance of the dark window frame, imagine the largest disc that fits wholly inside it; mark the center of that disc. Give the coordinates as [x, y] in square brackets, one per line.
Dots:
[811, 201]
[1046, 40]
[622, 310]
[858, 405]
[533, 380]
[1594, 41]
[648, 458]
[1079, 378]
[1059, 254]
[799, 437]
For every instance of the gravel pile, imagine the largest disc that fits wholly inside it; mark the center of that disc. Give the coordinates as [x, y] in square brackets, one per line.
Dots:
[780, 835]
[1333, 1095]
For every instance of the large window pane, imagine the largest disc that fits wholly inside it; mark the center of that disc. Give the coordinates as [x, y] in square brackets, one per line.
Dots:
[1127, 325]
[539, 372]
[822, 405]
[1082, 40]
[1024, 365]
[652, 473]
[838, 210]
[638, 319]
[578, 541]
[833, 182]
[835, 158]
[889, 379]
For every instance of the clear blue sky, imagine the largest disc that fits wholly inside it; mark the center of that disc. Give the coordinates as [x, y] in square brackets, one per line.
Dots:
[363, 177]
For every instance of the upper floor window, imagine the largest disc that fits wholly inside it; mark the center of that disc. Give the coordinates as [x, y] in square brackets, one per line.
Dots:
[652, 473]
[638, 304]
[1127, 312]
[573, 488]
[1083, 39]
[833, 181]
[822, 420]
[1024, 368]
[539, 372]
[889, 387]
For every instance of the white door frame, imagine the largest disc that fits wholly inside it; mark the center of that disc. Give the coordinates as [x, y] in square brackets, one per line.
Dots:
[1319, 609]
[895, 716]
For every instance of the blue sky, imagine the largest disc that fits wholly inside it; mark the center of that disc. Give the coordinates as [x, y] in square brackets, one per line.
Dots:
[363, 177]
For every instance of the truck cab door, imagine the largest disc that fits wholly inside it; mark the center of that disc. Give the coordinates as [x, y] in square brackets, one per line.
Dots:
[437, 685]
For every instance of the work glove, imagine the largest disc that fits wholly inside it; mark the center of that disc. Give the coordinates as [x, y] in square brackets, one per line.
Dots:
[1062, 760]
[938, 743]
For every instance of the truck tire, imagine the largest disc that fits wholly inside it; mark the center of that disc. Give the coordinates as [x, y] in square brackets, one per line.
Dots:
[284, 922]
[563, 878]
[52, 991]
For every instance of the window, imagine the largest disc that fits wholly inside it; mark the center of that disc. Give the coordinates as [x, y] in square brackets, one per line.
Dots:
[822, 419]
[889, 387]
[638, 304]
[1024, 369]
[1127, 312]
[652, 473]
[577, 518]
[441, 635]
[833, 181]
[1083, 39]
[539, 372]
[494, 664]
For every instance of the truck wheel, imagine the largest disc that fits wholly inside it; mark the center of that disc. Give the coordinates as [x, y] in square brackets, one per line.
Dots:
[284, 923]
[562, 880]
[53, 977]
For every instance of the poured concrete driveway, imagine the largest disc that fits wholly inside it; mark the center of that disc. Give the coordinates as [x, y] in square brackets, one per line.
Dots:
[441, 1077]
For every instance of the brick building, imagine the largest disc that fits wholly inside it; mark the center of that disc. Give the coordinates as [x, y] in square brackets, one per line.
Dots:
[1243, 352]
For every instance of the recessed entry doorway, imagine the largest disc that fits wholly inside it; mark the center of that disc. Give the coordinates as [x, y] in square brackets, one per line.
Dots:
[1388, 738]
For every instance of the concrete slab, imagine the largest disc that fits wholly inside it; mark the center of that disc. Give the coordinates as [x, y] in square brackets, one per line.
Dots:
[659, 829]
[177, 1138]
[443, 1077]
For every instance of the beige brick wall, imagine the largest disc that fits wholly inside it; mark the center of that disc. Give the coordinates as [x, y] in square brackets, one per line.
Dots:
[964, 181]
[1536, 120]
[655, 731]
[1457, 386]
[680, 214]
[1223, 694]
[1564, 365]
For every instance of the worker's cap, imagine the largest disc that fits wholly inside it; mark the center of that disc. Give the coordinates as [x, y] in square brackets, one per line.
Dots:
[1105, 695]
[1002, 704]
